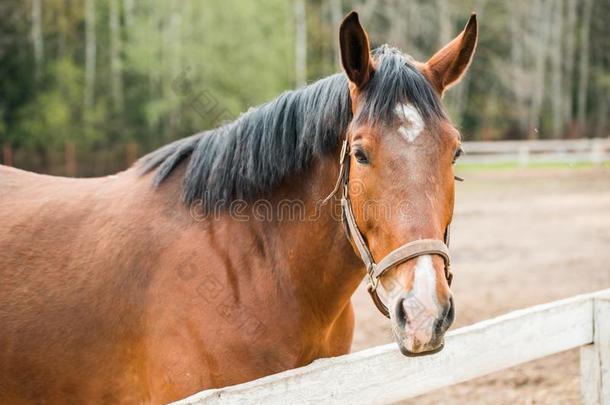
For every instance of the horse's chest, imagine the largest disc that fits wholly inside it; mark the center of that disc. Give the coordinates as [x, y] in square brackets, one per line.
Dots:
[316, 341]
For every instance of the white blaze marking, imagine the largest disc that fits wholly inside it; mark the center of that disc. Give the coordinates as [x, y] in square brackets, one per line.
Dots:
[424, 284]
[412, 122]
[421, 308]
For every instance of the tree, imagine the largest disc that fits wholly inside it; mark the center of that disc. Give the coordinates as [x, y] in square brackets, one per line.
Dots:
[90, 49]
[583, 78]
[37, 38]
[300, 43]
[116, 64]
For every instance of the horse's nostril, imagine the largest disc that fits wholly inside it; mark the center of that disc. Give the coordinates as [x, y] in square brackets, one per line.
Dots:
[451, 314]
[447, 319]
[400, 313]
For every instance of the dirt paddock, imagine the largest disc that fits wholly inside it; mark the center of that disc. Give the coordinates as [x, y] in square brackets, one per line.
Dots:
[520, 237]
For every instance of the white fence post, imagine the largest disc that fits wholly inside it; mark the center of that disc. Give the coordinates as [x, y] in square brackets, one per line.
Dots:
[595, 358]
[524, 155]
[596, 151]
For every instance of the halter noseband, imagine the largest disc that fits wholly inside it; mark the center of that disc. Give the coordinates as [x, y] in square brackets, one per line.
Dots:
[397, 256]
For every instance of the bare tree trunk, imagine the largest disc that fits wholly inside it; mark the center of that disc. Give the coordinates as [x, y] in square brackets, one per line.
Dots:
[556, 70]
[174, 36]
[115, 56]
[70, 158]
[412, 29]
[366, 8]
[90, 50]
[542, 28]
[128, 6]
[583, 68]
[336, 15]
[603, 110]
[7, 154]
[300, 43]
[444, 22]
[152, 31]
[132, 152]
[395, 33]
[517, 65]
[43, 158]
[462, 91]
[62, 8]
[456, 98]
[570, 61]
[37, 38]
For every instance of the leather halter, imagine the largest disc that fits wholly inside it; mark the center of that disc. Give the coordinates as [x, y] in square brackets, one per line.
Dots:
[399, 255]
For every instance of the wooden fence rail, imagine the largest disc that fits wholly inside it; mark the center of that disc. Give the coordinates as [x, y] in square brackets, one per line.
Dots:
[382, 375]
[539, 151]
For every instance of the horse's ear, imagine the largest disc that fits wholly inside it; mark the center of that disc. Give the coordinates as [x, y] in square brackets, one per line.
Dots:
[448, 65]
[355, 50]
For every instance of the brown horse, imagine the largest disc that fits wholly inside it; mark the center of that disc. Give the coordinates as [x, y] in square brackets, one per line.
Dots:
[218, 259]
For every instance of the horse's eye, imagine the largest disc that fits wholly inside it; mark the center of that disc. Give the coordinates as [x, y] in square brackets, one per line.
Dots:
[458, 152]
[361, 156]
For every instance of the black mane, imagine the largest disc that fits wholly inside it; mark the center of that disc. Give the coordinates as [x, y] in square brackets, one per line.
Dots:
[248, 157]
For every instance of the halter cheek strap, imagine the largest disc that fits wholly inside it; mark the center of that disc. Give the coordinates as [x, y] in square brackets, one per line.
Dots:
[401, 254]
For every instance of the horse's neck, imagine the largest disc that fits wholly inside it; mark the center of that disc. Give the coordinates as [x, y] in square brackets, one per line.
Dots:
[305, 261]
[323, 266]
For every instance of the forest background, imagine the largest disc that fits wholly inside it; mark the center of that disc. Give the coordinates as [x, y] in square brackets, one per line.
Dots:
[88, 86]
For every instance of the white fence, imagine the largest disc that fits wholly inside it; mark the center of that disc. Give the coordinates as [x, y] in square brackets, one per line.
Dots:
[382, 375]
[540, 151]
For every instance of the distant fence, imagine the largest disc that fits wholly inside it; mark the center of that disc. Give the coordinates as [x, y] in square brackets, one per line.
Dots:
[382, 375]
[595, 151]
[76, 160]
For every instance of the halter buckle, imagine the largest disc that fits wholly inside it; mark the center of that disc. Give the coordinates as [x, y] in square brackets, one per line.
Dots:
[373, 282]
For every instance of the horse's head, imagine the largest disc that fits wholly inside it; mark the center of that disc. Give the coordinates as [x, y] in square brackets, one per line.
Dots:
[400, 178]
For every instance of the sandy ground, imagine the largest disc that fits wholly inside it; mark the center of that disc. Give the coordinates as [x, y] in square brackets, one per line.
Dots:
[520, 237]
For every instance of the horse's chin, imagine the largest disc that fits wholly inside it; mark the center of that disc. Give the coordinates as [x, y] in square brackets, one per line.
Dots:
[411, 347]
[411, 351]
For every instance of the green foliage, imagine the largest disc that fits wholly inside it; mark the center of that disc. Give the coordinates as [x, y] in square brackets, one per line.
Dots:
[172, 68]
[54, 114]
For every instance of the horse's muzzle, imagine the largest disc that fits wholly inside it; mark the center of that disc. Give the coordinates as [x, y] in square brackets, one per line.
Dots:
[417, 329]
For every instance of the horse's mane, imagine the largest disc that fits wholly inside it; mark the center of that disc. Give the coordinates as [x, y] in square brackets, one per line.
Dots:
[247, 158]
